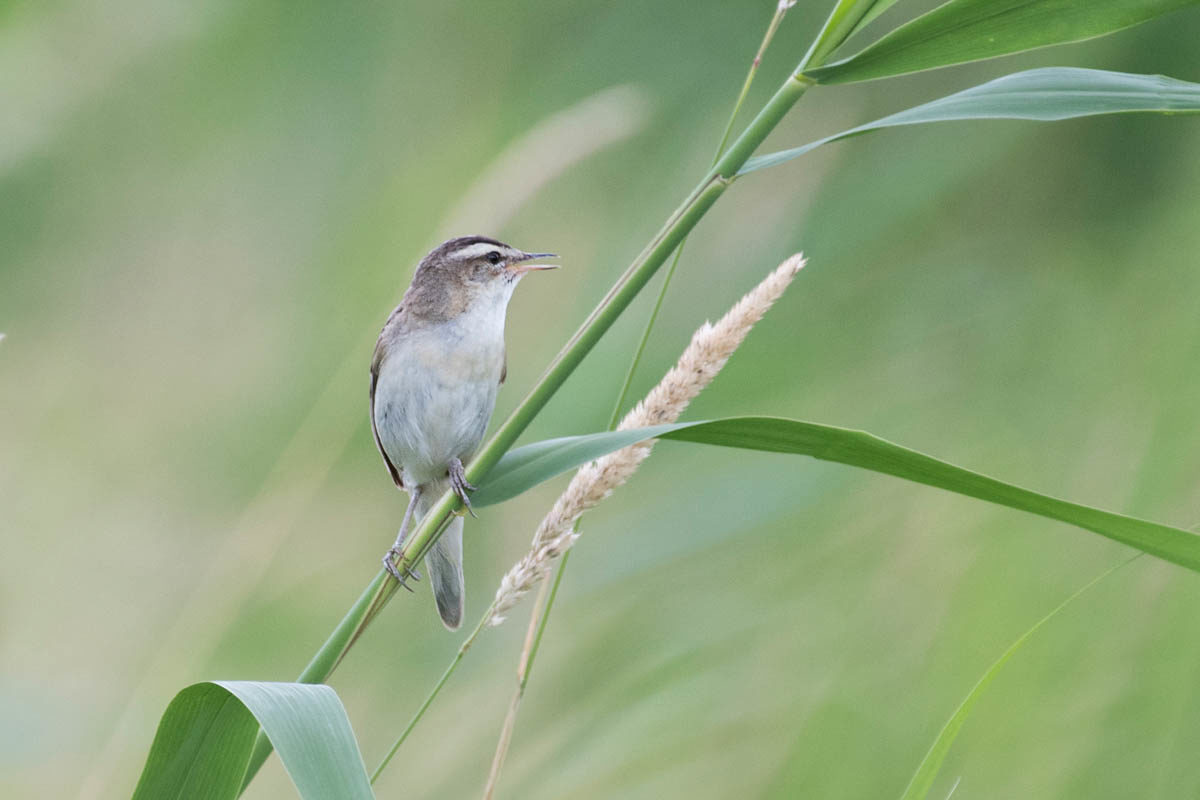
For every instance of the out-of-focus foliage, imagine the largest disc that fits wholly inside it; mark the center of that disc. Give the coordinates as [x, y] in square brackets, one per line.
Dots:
[207, 211]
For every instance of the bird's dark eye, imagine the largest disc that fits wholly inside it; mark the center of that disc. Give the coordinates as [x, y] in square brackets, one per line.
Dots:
[494, 257]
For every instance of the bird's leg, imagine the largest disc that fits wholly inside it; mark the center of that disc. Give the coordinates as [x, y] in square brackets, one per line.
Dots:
[458, 482]
[389, 560]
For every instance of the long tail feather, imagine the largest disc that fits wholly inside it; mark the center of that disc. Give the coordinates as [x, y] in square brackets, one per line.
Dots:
[444, 563]
[445, 567]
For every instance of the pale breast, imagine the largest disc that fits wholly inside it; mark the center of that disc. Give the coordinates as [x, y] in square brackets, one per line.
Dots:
[435, 394]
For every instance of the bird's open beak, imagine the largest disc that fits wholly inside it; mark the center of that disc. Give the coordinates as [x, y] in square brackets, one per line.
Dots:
[519, 267]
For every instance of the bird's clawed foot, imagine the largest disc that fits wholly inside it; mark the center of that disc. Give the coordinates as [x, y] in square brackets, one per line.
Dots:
[458, 482]
[389, 564]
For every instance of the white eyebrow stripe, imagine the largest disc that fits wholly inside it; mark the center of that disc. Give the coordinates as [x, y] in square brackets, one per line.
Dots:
[477, 250]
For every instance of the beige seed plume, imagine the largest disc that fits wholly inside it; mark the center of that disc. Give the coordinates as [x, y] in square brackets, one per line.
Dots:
[710, 348]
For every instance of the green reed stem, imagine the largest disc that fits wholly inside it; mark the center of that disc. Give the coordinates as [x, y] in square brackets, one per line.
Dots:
[611, 306]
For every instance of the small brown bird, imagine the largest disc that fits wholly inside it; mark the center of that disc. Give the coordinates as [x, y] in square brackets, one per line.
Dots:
[438, 364]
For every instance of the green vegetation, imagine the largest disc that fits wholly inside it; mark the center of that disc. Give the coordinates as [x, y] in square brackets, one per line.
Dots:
[204, 227]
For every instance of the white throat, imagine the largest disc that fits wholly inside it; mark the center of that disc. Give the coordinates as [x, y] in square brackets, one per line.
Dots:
[484, 317]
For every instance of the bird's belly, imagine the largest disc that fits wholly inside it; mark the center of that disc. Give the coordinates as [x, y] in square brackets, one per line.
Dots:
[433, 404]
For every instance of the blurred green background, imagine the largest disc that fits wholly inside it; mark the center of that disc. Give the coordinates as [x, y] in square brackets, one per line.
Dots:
[207, 211]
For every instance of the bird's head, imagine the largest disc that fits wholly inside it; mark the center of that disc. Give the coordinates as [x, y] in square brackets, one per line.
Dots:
[469, 270]
[478, 259]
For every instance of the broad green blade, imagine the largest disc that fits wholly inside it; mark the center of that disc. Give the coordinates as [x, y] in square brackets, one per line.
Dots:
[205, 737]
[970, 30]
[931, 764]
[844, 446]
[1047, 94]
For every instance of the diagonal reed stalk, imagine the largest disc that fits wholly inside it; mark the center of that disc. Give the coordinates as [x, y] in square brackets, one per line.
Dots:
[681, 221]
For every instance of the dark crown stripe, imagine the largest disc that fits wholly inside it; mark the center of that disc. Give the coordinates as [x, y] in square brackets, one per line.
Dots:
[448, 247]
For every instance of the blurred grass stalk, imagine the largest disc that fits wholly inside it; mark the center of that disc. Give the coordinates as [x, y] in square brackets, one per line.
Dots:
[922, 780]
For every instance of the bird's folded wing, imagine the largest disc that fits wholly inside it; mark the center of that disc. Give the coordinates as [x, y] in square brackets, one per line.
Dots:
[376, 361]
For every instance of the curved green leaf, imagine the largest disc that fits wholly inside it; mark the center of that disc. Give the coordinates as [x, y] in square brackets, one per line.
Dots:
[1047, 94]
[970, 30]
[538, 462]
[201, 747]
[927, 770]
[204, 739]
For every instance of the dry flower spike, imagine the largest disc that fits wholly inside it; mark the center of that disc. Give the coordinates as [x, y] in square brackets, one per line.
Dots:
[710, 348]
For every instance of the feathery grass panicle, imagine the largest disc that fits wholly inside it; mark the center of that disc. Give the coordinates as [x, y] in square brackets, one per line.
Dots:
[710, 348]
